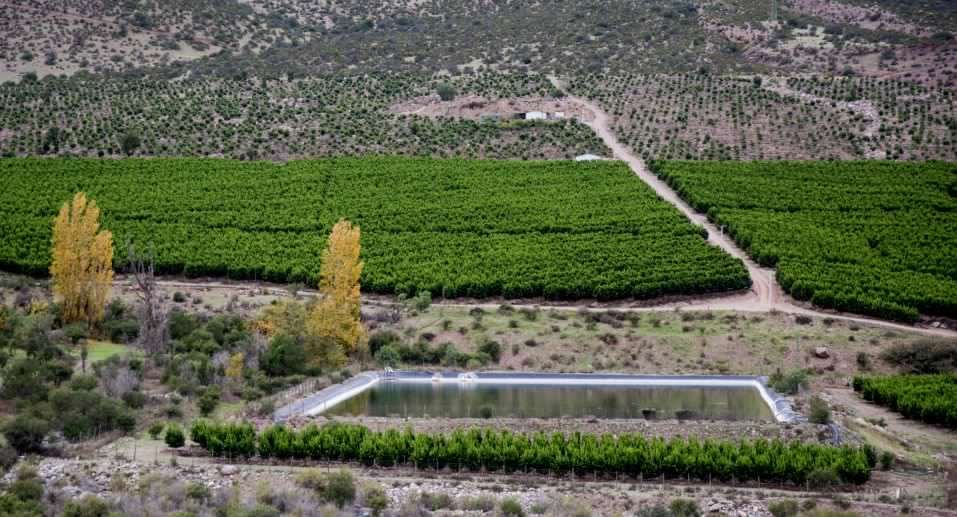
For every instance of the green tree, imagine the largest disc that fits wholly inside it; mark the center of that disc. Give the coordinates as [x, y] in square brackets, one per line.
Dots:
[174, 436]
[129, 142]
[446, 91]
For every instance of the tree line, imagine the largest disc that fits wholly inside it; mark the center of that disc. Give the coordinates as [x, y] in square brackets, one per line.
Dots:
[628, 454]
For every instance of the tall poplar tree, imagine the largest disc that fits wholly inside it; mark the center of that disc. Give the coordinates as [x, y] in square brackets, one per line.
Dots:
[82, 265]
[334, 320]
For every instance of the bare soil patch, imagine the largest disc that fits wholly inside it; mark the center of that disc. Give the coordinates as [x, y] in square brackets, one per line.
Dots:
[474, 107]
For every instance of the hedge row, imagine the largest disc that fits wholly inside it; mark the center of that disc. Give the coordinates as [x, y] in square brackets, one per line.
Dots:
[929, 398]
[578, 453]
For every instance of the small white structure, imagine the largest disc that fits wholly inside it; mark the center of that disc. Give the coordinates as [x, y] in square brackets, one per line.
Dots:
[536, 115]
[588, 158]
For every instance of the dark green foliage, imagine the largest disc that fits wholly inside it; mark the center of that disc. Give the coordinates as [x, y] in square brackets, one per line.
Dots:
[182, 324]
[134, 399]
[433, 502]
[788, 383]
[875, 237]
[89, 506]
[8, 457]
[929, 398]
[76, 332]
[129, 143]
[381, 338]
[376, 499]
[887, 460]
[120, 322]
[25, 433]
[13, 507]
[230, 440]
[83, 383]
[863, 361]
[285, 356]
[209, 400]
[26, 379]
[820, 413]
[924, 356]
[629, 454]
[86, 413]
[492, 349]
[29, 489]
[684, 508]
[822, 479]
[446, 91]
[339, 488]
[451, 227]
[653, 511]
[388, 356]
[174, 436]
[784, 508]
[511, 508]
[156, 429]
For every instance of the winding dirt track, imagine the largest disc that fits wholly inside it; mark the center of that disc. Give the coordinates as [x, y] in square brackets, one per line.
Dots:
[765, 294]
[764, 288]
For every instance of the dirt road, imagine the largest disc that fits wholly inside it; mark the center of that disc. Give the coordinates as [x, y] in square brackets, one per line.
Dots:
[763, 285]
[765, 294]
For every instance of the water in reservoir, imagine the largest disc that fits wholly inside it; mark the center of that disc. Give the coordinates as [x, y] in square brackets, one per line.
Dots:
[462, 400]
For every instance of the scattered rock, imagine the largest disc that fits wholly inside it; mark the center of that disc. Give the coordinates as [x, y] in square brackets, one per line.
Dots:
[228, 470]
[822, 352]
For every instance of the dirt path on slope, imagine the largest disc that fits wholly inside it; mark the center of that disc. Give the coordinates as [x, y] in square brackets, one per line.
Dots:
[765, 289]
[914, 441]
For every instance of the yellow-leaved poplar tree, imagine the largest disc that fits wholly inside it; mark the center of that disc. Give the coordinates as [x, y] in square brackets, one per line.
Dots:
[82, 266]
[335, 316]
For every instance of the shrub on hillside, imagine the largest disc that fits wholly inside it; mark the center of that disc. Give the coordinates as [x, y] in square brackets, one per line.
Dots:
[924, 356]
[789, 383]
[820, 413]
[25, 433]
[511, 508]
[174, 436]
[339, 488]
[784, 508]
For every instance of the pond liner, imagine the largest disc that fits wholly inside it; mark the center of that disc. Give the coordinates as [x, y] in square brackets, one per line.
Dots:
[319, 402]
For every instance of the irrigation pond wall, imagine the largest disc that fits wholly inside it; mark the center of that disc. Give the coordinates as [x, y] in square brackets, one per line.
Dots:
[325, 399]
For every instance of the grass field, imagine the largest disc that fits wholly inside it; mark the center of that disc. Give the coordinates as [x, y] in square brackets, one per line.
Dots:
[100, 350]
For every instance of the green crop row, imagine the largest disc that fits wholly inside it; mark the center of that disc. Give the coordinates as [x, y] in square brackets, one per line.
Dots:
[929, 398]
[629, 453]
[562, 230]
[876, 238]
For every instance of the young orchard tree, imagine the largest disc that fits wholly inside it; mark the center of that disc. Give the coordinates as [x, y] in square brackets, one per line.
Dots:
[335, 318]
[82, 266]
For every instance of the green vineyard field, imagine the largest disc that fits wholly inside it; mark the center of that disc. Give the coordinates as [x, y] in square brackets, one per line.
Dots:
[876, 238]
[562, 230]
[929, 398]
